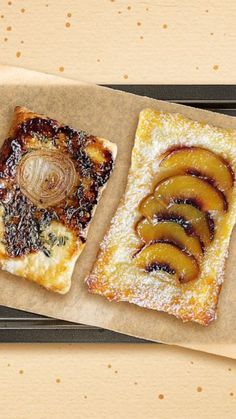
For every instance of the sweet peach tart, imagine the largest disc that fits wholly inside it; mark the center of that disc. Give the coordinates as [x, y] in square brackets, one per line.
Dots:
[168, 242]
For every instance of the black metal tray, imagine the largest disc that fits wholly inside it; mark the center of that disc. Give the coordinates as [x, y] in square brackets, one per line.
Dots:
[19, 326]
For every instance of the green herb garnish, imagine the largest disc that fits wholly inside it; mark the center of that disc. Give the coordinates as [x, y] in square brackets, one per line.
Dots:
[40, 137]
[62, 240]
[47, 252]
[53, 241]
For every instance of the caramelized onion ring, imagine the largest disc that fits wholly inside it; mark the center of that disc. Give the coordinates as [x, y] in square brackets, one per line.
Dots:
[46, 177]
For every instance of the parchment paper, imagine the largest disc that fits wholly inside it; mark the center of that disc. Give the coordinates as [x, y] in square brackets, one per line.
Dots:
[112, 115]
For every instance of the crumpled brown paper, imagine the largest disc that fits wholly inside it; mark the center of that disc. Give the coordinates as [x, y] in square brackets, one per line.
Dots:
[112, 115]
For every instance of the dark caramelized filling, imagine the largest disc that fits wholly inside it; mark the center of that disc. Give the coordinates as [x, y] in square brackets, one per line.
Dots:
[159, 267]
[25, 222]
[175, 218]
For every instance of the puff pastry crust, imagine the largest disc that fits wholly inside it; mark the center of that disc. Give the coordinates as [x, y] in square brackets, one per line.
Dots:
[117, 275]
[51, 178]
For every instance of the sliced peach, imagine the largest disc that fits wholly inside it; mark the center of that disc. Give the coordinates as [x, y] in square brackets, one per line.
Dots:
[150, 206]
[200, 161]
[169, 231]
[187, 188]
[185, 214]
[169, 258]
[197, 220]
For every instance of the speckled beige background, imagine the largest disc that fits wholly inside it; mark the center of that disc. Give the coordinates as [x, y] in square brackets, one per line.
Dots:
[116, 41]
[103, 41]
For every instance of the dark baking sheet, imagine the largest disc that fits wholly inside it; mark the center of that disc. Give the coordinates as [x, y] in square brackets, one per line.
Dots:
[19, 326]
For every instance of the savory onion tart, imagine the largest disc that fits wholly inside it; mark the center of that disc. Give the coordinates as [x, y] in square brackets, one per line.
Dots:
[168, 241]
[51, 177]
